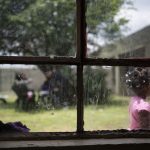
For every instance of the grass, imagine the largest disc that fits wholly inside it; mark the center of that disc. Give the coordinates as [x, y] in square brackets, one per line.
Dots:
[106, 118]
[113, 115]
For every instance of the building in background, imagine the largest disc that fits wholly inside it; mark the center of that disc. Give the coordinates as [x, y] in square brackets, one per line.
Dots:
[135, 45]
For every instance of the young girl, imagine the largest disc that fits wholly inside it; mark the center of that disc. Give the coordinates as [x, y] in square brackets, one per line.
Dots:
[139, 110]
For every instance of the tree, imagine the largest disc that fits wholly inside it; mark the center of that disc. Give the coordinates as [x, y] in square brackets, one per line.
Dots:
[101, 17]
[46, 27]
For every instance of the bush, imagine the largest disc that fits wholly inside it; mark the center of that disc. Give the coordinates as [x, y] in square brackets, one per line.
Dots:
[96, 91]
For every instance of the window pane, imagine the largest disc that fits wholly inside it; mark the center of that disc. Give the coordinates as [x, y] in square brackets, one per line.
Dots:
[115, 30]
[37, 27]
[108, 93]
[41, 97]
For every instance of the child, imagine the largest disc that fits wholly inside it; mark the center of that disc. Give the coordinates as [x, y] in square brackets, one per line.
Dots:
[139, 110]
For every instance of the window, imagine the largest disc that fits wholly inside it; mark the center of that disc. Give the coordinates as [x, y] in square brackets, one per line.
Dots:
[80, 62]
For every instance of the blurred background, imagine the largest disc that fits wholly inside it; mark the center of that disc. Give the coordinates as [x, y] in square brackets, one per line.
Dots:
[44, 96]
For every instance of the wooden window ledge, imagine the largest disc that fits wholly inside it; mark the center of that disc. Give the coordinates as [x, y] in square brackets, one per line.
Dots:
[104, 144]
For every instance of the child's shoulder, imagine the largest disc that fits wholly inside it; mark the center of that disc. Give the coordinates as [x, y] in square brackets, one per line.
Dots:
[144, 105]
[139, 104]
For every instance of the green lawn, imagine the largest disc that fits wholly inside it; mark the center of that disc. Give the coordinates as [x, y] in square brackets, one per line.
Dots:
[111, 116]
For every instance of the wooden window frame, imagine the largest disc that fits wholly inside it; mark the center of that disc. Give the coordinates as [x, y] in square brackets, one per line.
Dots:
[80, 60]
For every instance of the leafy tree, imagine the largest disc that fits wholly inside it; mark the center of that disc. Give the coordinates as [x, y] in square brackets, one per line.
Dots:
[46, 27]
[101, 17]
[42, 28]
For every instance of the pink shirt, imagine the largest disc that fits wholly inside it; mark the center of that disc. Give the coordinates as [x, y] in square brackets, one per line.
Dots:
[136, 105]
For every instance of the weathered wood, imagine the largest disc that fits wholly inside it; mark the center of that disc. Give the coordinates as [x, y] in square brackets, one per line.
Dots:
[145, 62]
[80, 99]
[80, 60]
[75, 61]
[81, 53]
[102, 134]
[38, 60]
[81, 30]
[104, 144]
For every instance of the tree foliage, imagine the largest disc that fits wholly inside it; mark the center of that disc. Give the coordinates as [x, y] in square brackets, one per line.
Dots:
[48, 27]
[101, 17]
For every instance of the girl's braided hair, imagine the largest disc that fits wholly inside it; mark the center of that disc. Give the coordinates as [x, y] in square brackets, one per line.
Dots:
[137, 78]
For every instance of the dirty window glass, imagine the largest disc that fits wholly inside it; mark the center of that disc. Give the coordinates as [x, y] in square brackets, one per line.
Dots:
[108, 94]
[41, 97]
[115, 30]
[37, 27]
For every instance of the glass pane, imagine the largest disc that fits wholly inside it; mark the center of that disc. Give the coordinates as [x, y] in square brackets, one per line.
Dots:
[41, 97]
[116, 97]
[115, 30]
[37, 27]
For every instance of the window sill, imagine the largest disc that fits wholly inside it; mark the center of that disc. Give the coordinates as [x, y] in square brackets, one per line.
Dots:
[121, 133]
[65, 140]
[117, 144]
